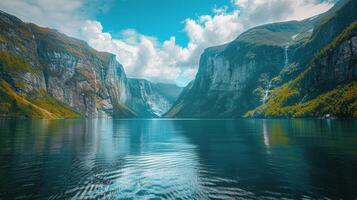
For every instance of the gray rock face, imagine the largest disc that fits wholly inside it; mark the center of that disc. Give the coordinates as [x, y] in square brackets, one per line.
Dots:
[87, 84]
[233, 78]
[229, 74]
[326, 27]
[327, 88]
[151, 99]
[92, 83]
[337, 67]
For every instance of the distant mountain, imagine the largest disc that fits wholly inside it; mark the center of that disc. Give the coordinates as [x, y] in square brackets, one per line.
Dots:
[255, 69]
[290, 69]
[152, 99]
[46, 74]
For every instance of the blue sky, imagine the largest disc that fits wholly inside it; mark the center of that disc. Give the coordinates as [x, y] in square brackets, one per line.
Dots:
[157, 18]
[159, 40]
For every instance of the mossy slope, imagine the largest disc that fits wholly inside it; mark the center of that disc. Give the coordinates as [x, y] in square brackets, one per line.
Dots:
[312, 94]
[38, 105]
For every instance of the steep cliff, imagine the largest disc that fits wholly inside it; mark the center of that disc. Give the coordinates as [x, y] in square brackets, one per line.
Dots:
[151, 99]
[229, 74]
[328, 87]
[43, 72]
[240, 76]
[327, 26]
[46, 74]
[324, 80]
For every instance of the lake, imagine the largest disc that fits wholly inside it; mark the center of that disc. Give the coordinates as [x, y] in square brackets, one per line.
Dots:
[178, 159]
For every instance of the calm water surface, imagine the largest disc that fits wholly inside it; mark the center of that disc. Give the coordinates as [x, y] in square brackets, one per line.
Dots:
[178, 159]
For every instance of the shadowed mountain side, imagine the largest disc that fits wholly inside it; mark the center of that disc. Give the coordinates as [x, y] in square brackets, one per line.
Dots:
[241, 75]
[46, 74]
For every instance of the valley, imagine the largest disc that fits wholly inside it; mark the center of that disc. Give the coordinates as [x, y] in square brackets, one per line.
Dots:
[278, 70]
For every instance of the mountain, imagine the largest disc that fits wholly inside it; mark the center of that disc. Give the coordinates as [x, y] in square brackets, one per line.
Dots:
[46, 74]
[290, 69]
[44, 71]
[229, 74]
[152, 99]
[328, 88]
[248, 72]
[327, 85]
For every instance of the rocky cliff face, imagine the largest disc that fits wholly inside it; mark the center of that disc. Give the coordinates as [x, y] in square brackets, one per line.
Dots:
[328, 87]
[229, 74]
[336, 64]
[327, 26]
[63, 69]
[239, 76]
[45, 74]
[94, 87]
[90, 83]
[151, 99]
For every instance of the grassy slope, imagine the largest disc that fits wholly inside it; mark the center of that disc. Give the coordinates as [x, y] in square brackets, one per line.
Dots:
[277, 34]
[340, 101]
[39, 105]
[13, 67]
[36, 105]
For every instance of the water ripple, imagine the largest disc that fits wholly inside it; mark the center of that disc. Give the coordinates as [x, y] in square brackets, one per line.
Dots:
[143, 159]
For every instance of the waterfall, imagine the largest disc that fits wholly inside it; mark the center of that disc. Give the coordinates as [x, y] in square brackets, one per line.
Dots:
[286, 56]
[286, 63]
[266, 93]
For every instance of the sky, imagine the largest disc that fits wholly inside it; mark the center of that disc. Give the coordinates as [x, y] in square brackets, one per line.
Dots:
[159, 40]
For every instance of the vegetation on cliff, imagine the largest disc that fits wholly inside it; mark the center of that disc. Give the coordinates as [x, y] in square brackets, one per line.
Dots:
[37, 105]
[339, 101]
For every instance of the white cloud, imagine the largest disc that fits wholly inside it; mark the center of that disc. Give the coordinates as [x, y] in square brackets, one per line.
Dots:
[63, 15]
[142, 56]
[145, 57]
[264, 11]
[190, 72]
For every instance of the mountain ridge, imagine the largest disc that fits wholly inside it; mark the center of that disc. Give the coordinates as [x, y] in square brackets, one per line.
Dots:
[239, 76]
[46, 74]
[283, 69]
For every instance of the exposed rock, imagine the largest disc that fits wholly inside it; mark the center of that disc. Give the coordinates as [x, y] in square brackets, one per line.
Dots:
[91, 83]
[152, 99]
[240, 76]
[229, 74]
[328, 87]
[43, 63]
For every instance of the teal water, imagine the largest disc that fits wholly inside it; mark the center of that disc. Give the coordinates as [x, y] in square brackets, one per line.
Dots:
[178, 159]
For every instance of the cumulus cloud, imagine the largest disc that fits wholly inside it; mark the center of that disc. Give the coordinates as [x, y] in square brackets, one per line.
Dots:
[142, 56]
[145, 57]
[265, 11]
[64, 15]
